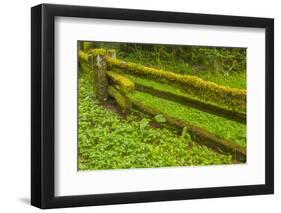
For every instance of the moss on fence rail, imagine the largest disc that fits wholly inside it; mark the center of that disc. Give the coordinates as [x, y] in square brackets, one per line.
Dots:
[233, 98]
[86, 56]
[124, 83]
[186, 101]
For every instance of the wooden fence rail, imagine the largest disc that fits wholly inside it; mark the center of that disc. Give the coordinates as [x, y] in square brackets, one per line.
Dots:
[186, 101]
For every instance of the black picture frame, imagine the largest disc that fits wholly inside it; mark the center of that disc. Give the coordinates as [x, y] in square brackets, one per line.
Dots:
[43, 102]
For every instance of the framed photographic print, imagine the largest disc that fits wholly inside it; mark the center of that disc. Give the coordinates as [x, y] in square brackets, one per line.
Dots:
[139, 106]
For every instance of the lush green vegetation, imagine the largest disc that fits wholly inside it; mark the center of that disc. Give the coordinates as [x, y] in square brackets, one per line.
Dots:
[108, 141]
[111, 135]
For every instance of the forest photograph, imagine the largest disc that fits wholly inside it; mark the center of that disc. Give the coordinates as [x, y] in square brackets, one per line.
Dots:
[160, 105]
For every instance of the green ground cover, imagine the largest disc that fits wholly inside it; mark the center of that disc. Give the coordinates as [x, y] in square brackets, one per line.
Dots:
[108, 141]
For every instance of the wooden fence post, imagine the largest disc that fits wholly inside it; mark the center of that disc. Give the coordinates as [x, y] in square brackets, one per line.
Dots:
[100, 76]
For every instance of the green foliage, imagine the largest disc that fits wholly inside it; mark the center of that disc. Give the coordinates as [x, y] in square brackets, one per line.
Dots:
[160, 118]
[185, 134]
[144, 123]
[106, 141]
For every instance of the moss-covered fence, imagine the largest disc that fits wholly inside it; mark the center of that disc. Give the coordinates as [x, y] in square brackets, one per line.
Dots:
[109, 83]
[232, 98]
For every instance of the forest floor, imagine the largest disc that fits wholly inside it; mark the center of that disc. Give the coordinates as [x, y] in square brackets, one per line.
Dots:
[110, 141]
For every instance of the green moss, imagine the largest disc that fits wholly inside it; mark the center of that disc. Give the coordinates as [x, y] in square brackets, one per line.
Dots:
[122, 101]
[231, 97]
[83, 56]
[86, 55]
[99, 51]
[124, 83]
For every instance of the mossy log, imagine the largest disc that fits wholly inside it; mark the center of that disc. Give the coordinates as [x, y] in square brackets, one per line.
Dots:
[123, 102]
[198, 134]
[186, 101]
[233, 98]
[125, 84]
